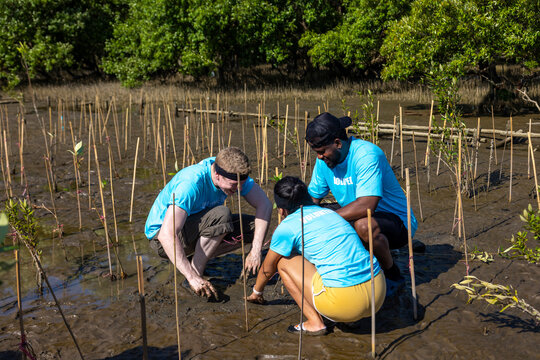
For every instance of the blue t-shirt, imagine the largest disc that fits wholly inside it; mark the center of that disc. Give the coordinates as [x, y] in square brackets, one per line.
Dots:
[194, 192]
[364, 172]
[330, 243]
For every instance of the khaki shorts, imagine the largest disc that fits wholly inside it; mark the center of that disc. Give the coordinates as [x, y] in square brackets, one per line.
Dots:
[210, 223]
[350, 303]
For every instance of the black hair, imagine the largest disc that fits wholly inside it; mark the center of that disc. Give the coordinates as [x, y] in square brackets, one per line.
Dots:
[291, 192]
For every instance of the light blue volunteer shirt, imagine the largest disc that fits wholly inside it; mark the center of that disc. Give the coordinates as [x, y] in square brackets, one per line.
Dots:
[330, 243]
[364, 172]
[194, 192]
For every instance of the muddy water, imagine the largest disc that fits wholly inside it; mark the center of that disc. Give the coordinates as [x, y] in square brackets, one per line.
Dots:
[105, 314]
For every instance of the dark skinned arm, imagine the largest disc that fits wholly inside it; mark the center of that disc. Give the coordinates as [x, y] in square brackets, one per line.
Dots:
[358, 208]
[267, 270]
[316, 201]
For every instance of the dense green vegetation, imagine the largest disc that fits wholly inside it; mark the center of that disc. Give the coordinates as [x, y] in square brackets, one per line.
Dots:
[136, 40]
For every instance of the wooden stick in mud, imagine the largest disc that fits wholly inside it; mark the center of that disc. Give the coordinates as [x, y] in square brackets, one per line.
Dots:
[401, 138]
[8, 170]
[529, 153]
[411, 259]
[476, 145]
[429, 134]
[534, 172]
[133, 182]
[112, 193]
[493, 127]
[511, 161]
[76, 176]
[19, 302]
[417, 180]
[393, 141]
[175, 282]
[461, 224]
[492, 145]
[140, 279]
[285, 133]
[104, 212]
[370, 232]
[244, 275]
[302, 291]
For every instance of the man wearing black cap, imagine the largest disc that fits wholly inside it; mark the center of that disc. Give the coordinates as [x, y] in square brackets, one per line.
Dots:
[360, 178]
[198, 221]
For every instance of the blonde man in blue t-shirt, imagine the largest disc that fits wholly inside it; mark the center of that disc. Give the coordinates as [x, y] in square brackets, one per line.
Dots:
[360, 178]
[203, 226]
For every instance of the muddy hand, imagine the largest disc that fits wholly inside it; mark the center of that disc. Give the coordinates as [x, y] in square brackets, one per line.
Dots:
[253, 262]
[204, 288]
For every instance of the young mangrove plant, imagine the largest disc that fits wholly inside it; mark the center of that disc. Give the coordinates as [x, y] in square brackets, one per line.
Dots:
[365, 122]
[24, 229]
[494, 294]
[519, 248]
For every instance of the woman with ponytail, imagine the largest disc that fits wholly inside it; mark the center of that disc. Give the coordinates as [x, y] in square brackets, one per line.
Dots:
[337, 278]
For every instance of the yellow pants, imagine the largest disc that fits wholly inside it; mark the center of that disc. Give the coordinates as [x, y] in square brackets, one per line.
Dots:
[350, 303]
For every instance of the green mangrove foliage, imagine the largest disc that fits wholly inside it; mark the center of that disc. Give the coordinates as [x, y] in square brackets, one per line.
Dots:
[23, 224]
[136, 40]
[519, 248]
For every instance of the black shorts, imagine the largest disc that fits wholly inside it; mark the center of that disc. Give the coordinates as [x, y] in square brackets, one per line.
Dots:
[210, 223]
[390, 224]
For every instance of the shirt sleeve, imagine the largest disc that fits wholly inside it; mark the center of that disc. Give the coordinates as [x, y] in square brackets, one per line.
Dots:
[186, 195]
[368, 176]
[318, 187]
[248, 185]
[282, 240]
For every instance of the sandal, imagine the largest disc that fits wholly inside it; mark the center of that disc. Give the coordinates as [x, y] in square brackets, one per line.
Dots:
[295, 329]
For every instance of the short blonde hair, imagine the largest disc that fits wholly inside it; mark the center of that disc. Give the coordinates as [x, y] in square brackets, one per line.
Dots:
[233, 160]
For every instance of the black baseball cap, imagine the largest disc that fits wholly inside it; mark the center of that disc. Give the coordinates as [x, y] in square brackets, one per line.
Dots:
[325, 128]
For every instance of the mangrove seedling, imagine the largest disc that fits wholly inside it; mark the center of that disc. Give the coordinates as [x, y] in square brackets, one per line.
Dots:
[24, 229]
[494, 294]
[519, 248]
[483, 256]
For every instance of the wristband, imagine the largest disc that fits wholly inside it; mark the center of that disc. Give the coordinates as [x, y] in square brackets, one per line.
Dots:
[257, 292]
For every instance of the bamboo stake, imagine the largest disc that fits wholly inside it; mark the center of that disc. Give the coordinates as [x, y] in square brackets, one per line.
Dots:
[89, 164]
[534, 172]
[244, 119]
[302, 290]
[489, 165]
[75, 168]
[529, 154]
[176, 282]
[493, 128]
[401, 138]
[140, 279]
[417, 180]
[172, 134]
[278, 134]
[133, 182]
[285, 133]
[8, 170]
[393, 140]
[429, 134]
[244, 275]
[104, 212]
[511, 162]
[212, 141]
[477, 142]
[162, 160]
[504, 150]
[112, 193]
[370, 232]
[19, 301]
[439, 156]
[409, 234]
[461, 224]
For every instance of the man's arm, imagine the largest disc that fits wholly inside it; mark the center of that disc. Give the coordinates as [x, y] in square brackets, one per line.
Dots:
[263, 212]
[316, 201]
[168, 236]
[358, 208]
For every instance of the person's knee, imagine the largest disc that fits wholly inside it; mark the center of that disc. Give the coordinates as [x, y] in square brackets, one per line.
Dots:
[222, 214]
[361, 227]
